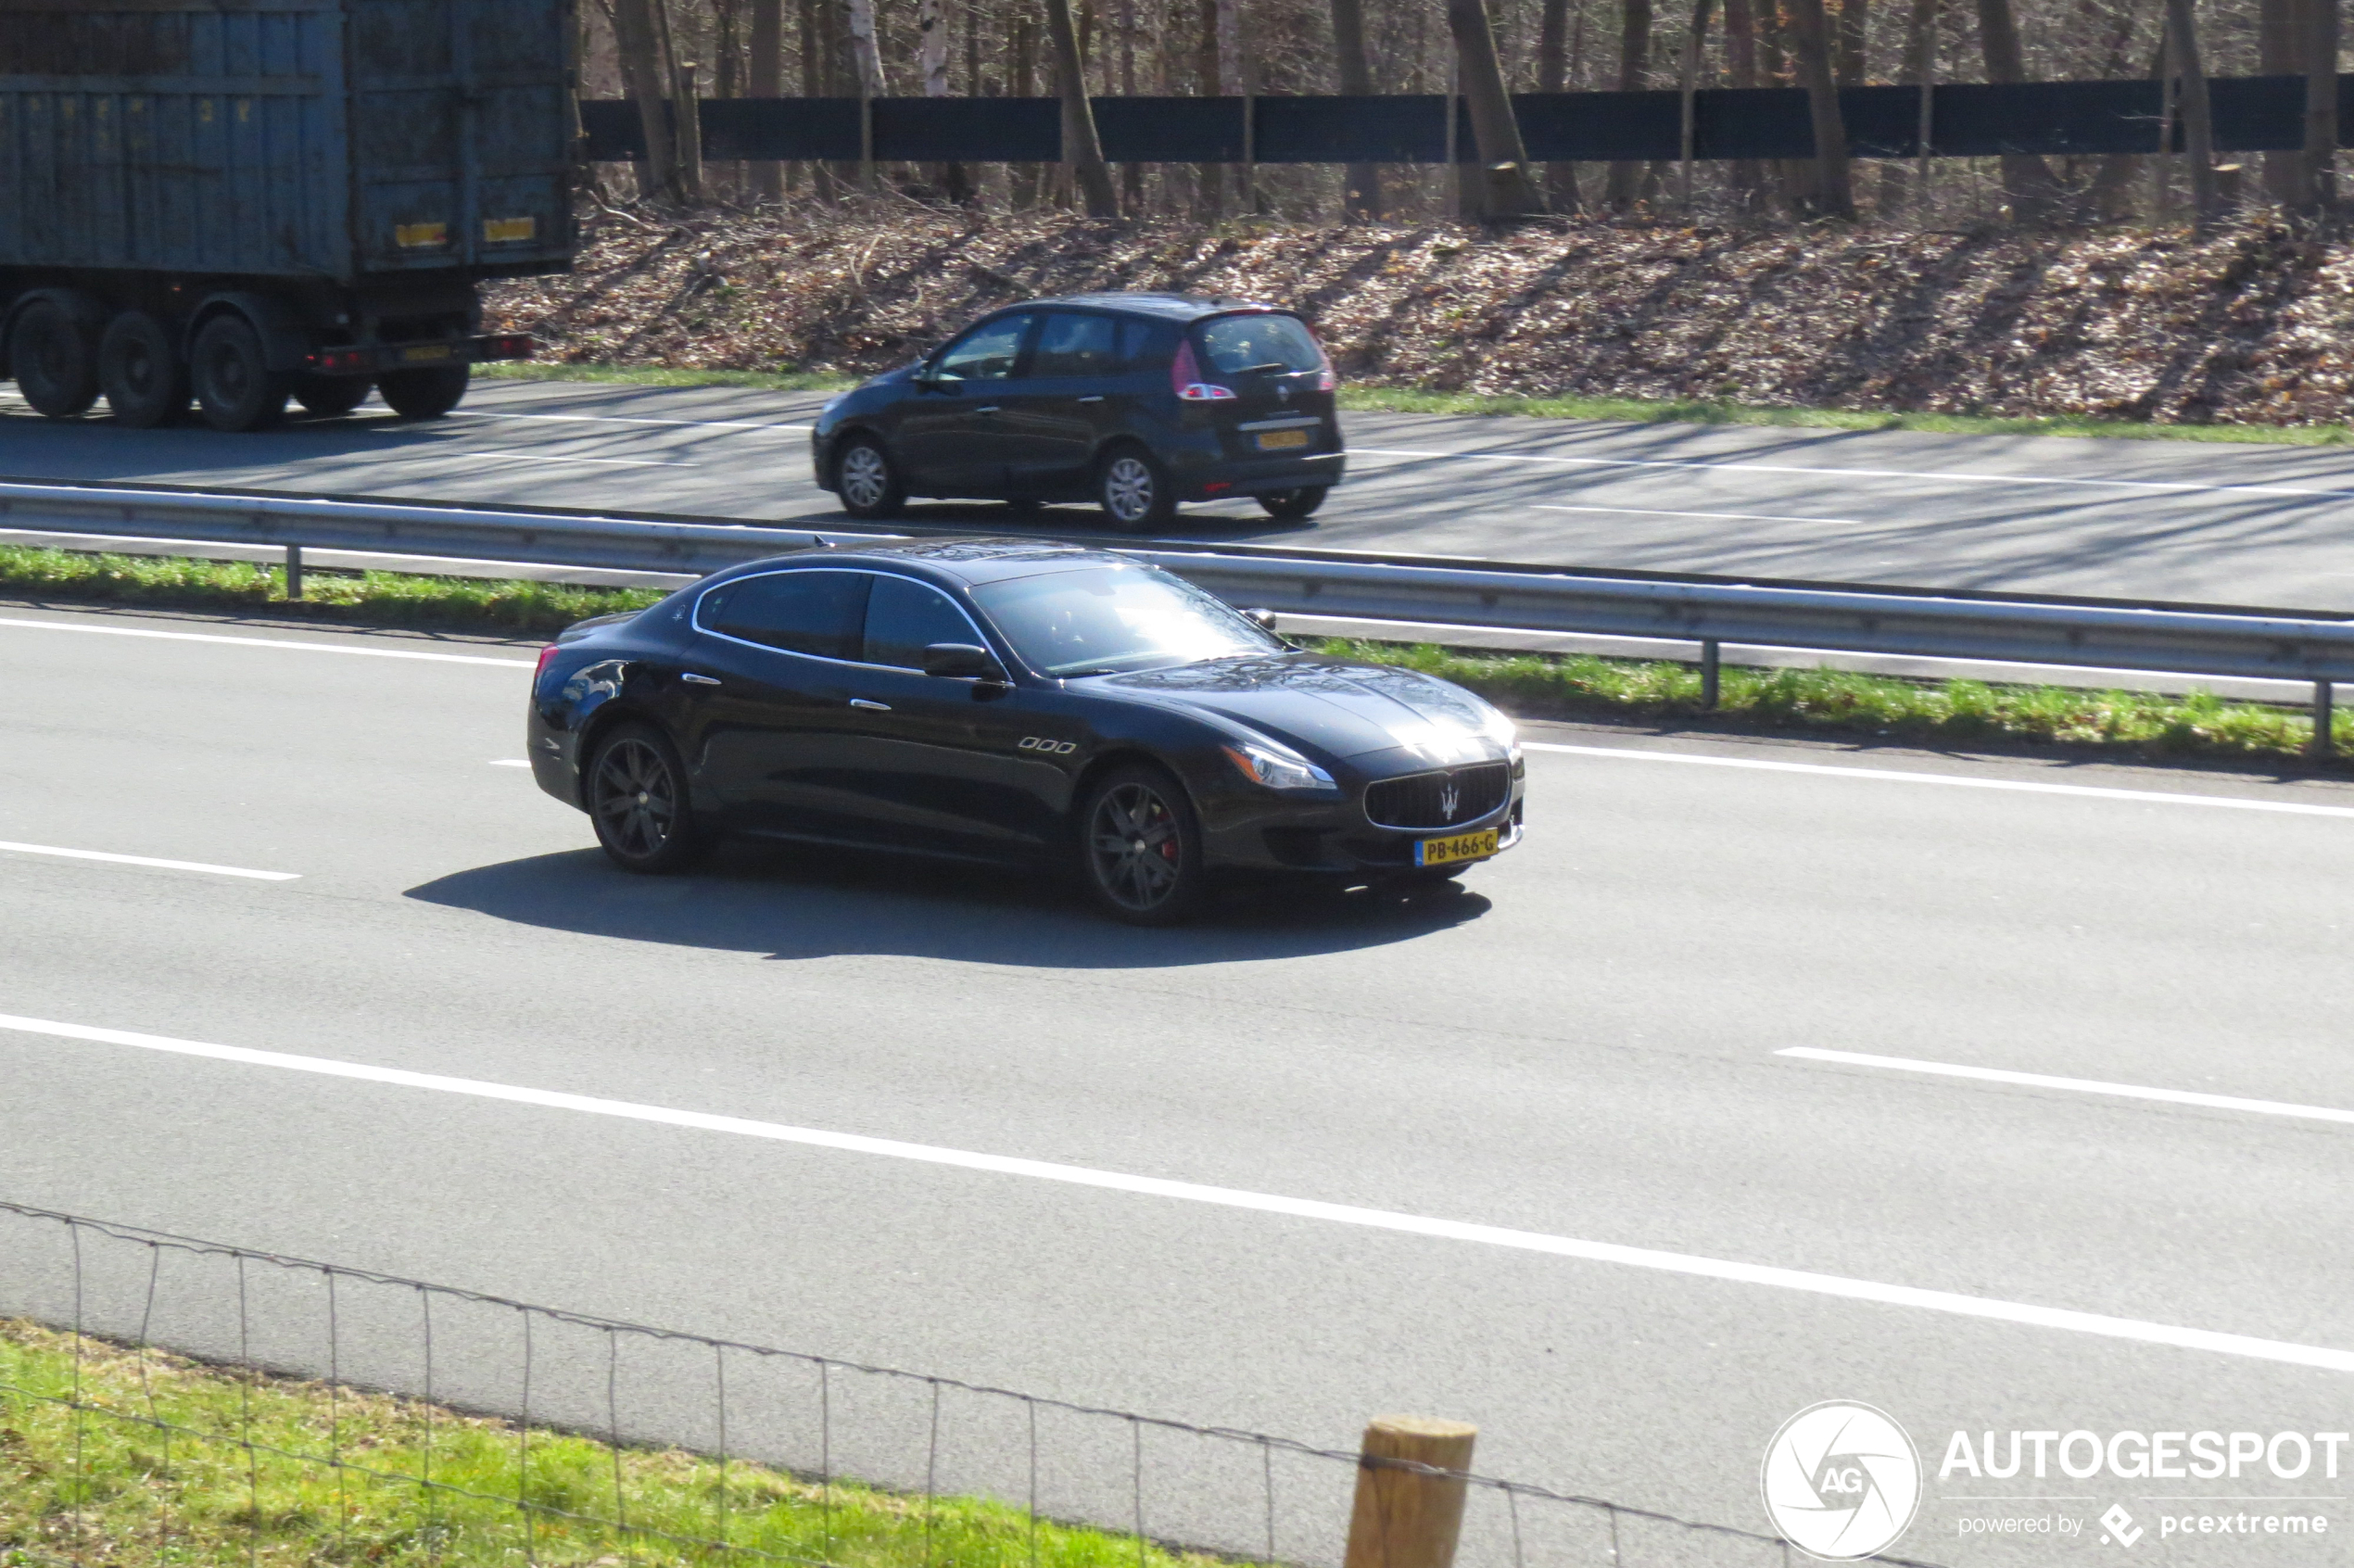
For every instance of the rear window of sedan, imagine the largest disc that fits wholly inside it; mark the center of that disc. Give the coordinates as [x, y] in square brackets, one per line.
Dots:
[1260, 341]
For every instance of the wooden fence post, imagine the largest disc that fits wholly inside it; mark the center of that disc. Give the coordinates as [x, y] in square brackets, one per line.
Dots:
[1403, 1518]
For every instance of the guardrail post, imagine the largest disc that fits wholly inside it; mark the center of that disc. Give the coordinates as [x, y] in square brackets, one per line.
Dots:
[293, 570]
[1406, 1516]
[1708, 673]
[2324, 704]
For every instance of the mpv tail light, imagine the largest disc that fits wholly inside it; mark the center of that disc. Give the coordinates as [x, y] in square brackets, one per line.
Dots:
[1184, 374]
[1325, 379]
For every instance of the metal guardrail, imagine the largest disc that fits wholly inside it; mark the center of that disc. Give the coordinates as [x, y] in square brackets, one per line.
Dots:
[2171, 640]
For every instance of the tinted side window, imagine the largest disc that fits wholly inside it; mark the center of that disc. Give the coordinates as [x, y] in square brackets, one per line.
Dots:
[1070, 344]
[1145, 345]
[904, 618]
[818, 613]
[986, 353]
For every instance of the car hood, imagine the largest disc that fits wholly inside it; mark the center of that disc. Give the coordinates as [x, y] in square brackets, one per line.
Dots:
[1326, 705]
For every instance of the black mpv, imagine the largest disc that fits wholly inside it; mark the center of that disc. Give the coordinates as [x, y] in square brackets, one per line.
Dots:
[1137, 402]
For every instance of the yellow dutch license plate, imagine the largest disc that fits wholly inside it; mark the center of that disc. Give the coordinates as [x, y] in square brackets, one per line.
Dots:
[1282, 440]
[428, 351]
[1463, 846]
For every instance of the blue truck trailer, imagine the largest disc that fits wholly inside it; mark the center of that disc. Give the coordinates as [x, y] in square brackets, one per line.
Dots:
[236, 203]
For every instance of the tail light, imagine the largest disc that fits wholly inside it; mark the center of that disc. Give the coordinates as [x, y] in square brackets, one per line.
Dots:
[1325, 379]
[545, 654]
[1184, 375]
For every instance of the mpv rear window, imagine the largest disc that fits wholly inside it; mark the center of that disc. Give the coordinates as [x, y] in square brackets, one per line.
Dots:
[1264, 342]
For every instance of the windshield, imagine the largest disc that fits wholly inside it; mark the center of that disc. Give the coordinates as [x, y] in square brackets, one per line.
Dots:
[1236, 344]
[1105, 619]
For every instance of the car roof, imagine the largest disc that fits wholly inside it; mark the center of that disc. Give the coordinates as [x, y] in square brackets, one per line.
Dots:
[968, 562]
[1160, 307]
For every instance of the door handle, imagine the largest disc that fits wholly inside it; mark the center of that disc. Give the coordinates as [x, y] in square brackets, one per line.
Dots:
[693, 679]
[991, 409]
[875, 707]
[1093, 397]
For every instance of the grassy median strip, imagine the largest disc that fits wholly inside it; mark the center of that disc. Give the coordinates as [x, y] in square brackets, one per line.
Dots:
[119, 1489]
[1957, 712]
[369, 598]
[1625, 410]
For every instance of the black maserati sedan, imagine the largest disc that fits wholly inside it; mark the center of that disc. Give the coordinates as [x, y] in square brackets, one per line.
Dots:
[1136, 401]
[1013, 700]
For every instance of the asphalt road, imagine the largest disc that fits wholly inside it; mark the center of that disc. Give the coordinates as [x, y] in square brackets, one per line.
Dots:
[2198, 521]
[1582, 1046]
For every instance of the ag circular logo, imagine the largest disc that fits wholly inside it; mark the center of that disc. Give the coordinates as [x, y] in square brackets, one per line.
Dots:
[1841, 1481]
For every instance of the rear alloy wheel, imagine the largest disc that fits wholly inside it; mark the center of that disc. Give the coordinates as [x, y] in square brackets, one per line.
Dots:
[637, 798]
[53, 357]
[1134, 491]
[236, 387]
[424, 394]
[140, 372]
[331, 397]
[868, 481]
[1301, 502]
[1140, 848]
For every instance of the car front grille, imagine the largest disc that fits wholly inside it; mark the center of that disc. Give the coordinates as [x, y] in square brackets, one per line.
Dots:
[1422, 800]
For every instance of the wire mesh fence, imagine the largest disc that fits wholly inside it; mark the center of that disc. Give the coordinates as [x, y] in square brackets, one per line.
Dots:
[430, 1423]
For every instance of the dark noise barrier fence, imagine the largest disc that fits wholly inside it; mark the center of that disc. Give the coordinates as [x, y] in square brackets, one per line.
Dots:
[1967, 119]
[1243, 1493]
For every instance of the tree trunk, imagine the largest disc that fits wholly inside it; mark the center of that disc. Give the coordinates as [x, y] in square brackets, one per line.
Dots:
[2198, 124]
[1634, 72]
[1019, 84]
[1209, 179]
[645, 73]
[765, 78]
[1740, 56]
[1834, 195]
[1361, 183]
[1507, 188]
[1920, 69]
[2027, 181]
[1848, 64]
[686, 122]
[2319, 184]
[2277, 54]
[1695, 39]
[1082, 151]
[1553, 76]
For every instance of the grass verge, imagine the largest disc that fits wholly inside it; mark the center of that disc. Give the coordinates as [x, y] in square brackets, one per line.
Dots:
[114, 1488]
[1527, 685]
[368, 598]
[1633, 410]
[1839, 701]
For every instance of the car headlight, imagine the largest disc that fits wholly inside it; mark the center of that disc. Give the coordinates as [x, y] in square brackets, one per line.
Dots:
[1278, 770]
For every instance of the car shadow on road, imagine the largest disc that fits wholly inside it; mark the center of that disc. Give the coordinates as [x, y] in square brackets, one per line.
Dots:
[790, 902]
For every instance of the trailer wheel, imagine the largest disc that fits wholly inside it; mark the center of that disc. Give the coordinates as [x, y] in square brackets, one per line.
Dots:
[423, 394]
[55, 364]
[236, 387]
[140, 372]
[330, 396]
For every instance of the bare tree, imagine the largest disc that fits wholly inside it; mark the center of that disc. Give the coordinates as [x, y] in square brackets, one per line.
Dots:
[1688, 84]
[1361, 183]
[1553, 76]
[2318, 191]
[1081, 150]
[1634, 71]
[2278, 53]
[1833, 196]
[1506, 188]
[2199, 123]
[765, 79]
[645, 71]
[2027, 179]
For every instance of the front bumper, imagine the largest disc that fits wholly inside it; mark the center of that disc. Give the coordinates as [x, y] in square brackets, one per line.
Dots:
[1333, 837]
[377, 359]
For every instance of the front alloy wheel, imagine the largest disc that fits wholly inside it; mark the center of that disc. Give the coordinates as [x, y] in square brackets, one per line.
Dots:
[637, 798]
[1142, 850]
[865, 481]
[1134, 493]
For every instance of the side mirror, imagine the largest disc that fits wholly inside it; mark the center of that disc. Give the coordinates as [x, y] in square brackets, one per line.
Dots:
[1263, 619]
[963, 661]
[932, 381]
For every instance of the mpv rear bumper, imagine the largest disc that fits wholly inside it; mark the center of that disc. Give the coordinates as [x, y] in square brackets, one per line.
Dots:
[1206, 478]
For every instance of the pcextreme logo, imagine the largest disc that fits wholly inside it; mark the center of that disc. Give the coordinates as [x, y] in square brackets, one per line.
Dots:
[1841, 1481]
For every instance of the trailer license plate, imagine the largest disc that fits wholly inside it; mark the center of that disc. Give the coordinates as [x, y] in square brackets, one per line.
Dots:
[427, 351]
[1282, 440]
[1463, 846]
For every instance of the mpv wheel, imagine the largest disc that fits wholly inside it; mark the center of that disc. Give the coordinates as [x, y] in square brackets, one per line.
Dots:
[1140, 848]
[1134, 491]
[637, 798]
[1294, 503]
[867, 481]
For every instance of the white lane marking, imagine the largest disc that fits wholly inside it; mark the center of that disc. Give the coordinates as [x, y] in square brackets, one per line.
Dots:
[271, 642]
[1898, 776]
[1714, 517]
[149, 860]
[510, 761]
[441, 450]
[2080, 1085]
[624, 419]
[2165, 486]
[1264, 1203]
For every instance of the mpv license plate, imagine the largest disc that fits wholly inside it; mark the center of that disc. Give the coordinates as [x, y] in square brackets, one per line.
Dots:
[1282, 440]
[1463, 846]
